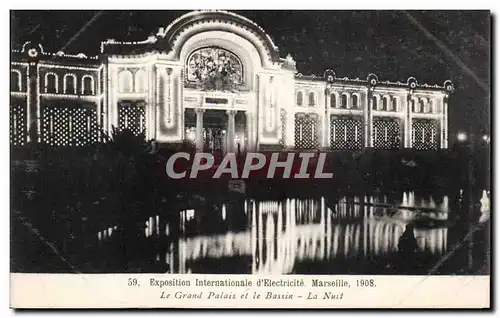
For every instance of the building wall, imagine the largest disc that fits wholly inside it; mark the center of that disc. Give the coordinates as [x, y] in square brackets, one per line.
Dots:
[59, 104]
[150, 98]
[18, 110]
[340, 116]
[69, 104]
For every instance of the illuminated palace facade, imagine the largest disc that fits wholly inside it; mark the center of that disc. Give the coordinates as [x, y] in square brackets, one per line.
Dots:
[215, 80]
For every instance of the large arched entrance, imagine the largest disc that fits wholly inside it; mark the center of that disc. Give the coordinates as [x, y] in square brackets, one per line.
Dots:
[214, 79]
[220, 91]
[228, 68]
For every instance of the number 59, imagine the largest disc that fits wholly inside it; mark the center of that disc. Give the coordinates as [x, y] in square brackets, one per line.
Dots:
[132, 281]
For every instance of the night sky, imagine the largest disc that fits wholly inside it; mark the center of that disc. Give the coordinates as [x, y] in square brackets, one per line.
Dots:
[391, 44]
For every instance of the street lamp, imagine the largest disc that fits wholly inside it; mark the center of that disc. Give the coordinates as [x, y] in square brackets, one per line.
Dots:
[486, 139]
[461, 136]
[191, 135]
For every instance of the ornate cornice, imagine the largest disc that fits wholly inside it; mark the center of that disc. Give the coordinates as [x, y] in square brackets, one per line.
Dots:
[34, 52]
[410, 84]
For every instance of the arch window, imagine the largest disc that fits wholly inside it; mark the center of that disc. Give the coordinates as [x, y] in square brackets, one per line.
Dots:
[312, 99]
[421, 106]
[125, 81]
[427, 105]
[394, 104]
[374, 103]
[333, 101]
[69, 84]
[15, 81]
[51, 83]
[385, 103]
[140, 81]
[300, 98]
[430, 106]
[343, 102]
[87, 85]
[354, 101]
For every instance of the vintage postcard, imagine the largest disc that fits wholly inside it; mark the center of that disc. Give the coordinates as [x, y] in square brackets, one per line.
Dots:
[250, 159]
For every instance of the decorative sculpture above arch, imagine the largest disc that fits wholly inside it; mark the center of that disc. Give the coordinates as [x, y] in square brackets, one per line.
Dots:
[214, 68]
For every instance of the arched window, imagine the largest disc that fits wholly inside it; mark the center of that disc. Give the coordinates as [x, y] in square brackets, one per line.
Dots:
[125, 81]
[51, 83]
[426, 104]
[69, 84]
[300, 98]
[395, 104]
[87, 85]
[354, 101]
[333, 101]
[385, 103]
[15, 81]
[343, 102]
[430, 106]
[140, 81]
[224, 64]
[421, 106]
[374, 103]
[312, 101]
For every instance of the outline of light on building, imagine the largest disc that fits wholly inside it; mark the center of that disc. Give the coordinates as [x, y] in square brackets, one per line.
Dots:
[153, 91]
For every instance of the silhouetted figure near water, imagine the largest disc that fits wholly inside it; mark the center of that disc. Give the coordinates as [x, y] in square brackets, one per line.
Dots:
[332, 201]
[407, 250]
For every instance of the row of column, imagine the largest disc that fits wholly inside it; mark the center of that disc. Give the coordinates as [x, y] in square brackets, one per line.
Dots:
[231, 129]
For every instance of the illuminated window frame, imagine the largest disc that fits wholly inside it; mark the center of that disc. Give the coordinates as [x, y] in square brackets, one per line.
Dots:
[311, 99]
[428, 106]
[333, 100]
[421, 105]
[375, 102]
[46, 82]
[394, 104]
[140, 74]
[385, 103]
[299, 99]
[123, 76]
[355, 100]
[65, 85]
[92, 84]
[344, 100]
[19, 80]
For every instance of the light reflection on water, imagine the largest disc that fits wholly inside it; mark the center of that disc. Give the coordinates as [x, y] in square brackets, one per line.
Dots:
[276, 236]
[284, 232]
